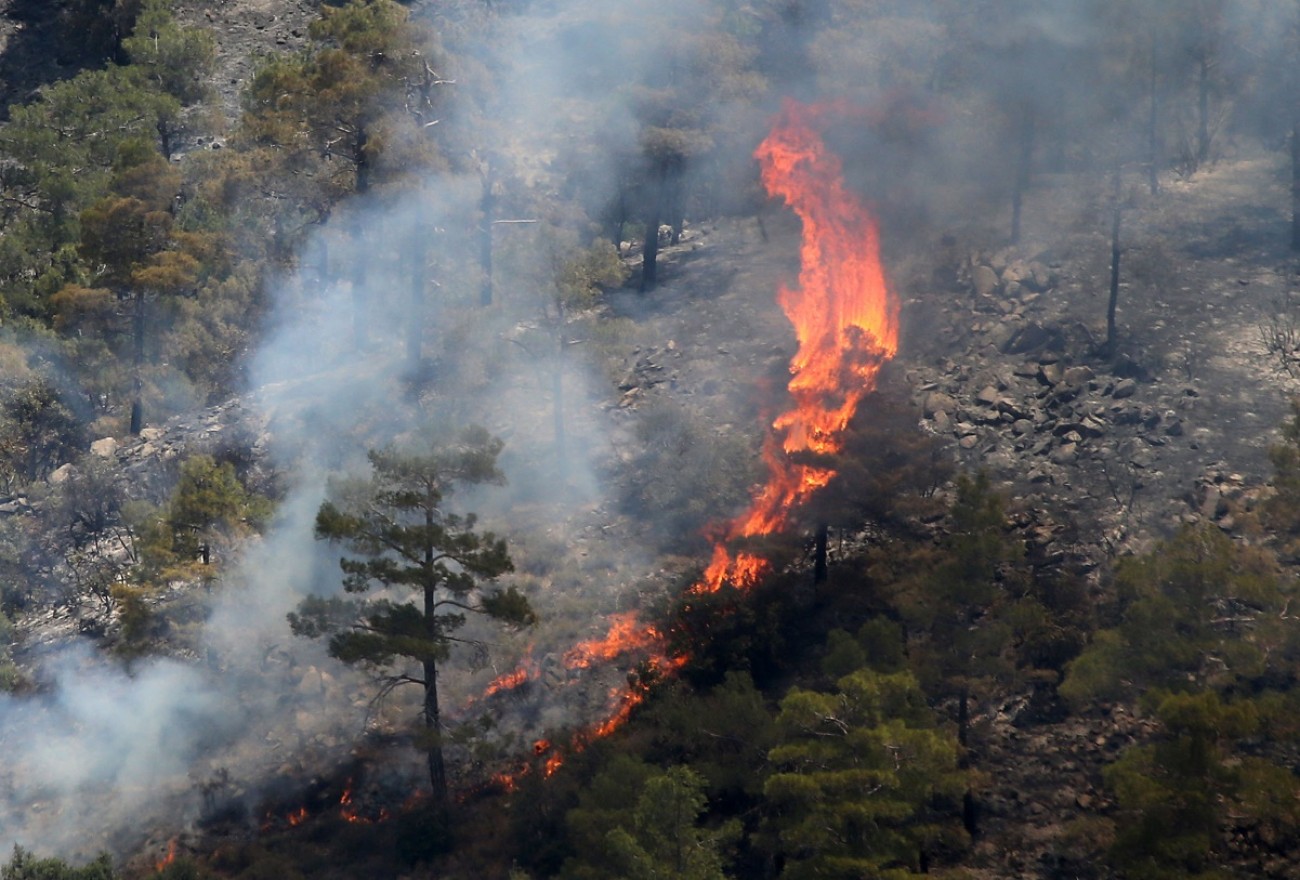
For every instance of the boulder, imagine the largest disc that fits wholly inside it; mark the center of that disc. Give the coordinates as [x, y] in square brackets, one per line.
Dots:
[937, 402]
[1124, 388]
[105, 447]
[984, 281]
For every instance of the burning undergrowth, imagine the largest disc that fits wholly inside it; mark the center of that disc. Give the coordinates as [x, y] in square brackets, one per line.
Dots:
[277, 714]
[846, 324]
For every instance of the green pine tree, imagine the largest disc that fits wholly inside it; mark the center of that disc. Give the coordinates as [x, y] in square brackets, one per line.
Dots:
[400, 537]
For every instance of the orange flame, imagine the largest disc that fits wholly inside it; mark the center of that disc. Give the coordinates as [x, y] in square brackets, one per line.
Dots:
[168, 858]
[626, 633]
[297, 817]
[510, 680]
[845, 320]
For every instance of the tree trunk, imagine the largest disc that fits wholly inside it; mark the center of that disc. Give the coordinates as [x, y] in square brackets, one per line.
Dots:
[361, 159]
[650, 248]
[1153, 121]
[137, 364]
[819, 554]
[1203, 112]
[1116, 215]
[557, 391]
[963, 715]
[360, 320]
[1295, 179]
[615, 217]
[360, 317]
[1023, 160]
[432, 713]
[432, 724]
[487, 207]
[650, 251]
[415, 320]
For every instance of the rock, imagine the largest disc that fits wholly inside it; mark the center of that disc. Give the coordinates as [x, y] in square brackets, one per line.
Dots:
[311, 684]
[1143, 458]
[1124, 388]
[61, 474]
[936, 402]
[984, 280]
[1021, 427]
[1050, 374]
[1000, 335]
[988, 395]
[942, 423]
[1034, 337]
[1066, 453]
[968, 442]
[104, 448]
[1077, 377]
[1091, 427]
[1040, 277]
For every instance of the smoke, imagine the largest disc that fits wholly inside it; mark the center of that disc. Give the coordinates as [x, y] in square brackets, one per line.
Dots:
[103, 756]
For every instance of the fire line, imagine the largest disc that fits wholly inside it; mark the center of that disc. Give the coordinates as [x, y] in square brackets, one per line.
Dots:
[845, 319]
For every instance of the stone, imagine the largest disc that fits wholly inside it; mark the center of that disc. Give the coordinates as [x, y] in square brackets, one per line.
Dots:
[1033, 337]
[311, 684]
[988, 395]
[61, 474]
[968, 442]
[1040, 277]
[1077, 377]
[984, 280]
[1051, 374]
[105, 447]
[1092, 427]
[1124, 388]
[1000, 335]
[936, 402]
[1066, 453]
[942, 423]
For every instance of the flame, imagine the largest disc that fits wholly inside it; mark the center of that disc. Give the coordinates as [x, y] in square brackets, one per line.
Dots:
[510, 680]
[168, 858]
[845, 320]
[297, 817]
[626, 633]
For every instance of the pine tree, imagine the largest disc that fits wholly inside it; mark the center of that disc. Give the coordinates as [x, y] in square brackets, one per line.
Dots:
[400, 536]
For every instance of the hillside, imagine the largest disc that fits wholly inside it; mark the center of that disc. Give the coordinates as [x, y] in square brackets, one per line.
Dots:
[1024, 611]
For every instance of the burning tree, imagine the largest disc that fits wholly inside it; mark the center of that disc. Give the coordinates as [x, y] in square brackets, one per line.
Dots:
[402, 538]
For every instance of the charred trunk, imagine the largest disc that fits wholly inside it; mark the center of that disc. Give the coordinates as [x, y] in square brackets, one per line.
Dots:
[557, 391]
[487, 207]
[963, 716]
[1116, 216]
[432, 712]
[415, 320]
[650, 244]
[1153, 120]
[137, 363]
[1203, 112]
[1023, 160]
[360, 316]
[819, 555]
[1295, 179]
